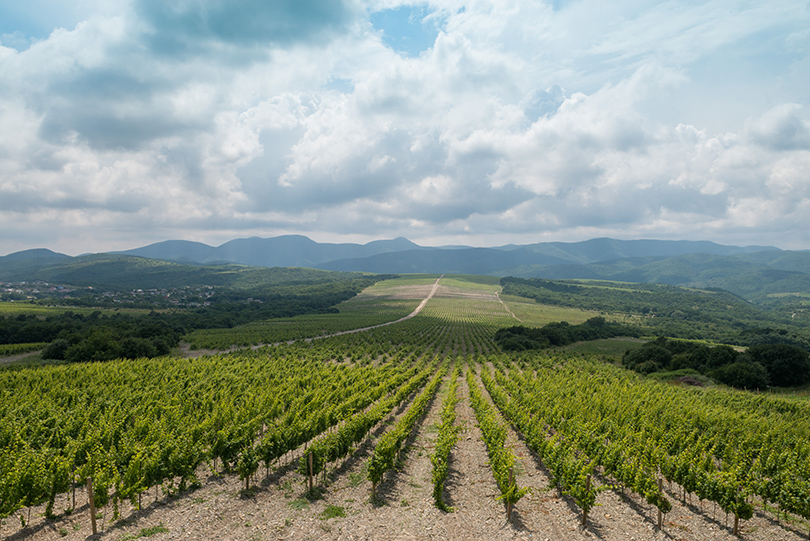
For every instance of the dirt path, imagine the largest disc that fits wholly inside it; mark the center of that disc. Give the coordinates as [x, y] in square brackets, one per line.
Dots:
[400, 320]
[11, 359]
[470, 488]
[506, 307]
[185, 350]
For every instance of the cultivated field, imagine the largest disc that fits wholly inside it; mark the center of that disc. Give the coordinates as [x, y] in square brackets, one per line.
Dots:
[347, 436]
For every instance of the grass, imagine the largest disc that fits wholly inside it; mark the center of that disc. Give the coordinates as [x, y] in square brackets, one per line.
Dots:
[610, 347]
[410, 279]
[355, 479]
[299, 503]
[333, 511]
[287, 488]
[147, 532]
[469, 281]
[533, 314]
[675, 374]
[8, 309]
[801, 392]
[7, 350]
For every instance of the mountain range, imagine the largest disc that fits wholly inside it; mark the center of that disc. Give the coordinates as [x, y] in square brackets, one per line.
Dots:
[746, 271]
[402, 255]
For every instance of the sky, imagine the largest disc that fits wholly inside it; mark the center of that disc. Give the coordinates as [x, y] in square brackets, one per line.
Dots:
[477, 122]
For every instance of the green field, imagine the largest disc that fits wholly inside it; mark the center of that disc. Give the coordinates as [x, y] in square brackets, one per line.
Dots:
[536, 315]
[610, 347]
[355, 404]
[8, 309]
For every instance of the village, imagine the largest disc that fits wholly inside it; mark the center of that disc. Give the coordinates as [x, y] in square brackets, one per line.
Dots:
[45, 293]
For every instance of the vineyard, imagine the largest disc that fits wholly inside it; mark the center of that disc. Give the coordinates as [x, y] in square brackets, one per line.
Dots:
[422, 428]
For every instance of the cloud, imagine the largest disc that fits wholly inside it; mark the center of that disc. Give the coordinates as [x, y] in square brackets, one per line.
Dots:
[781, 128]
[194, 27]
[208, 120]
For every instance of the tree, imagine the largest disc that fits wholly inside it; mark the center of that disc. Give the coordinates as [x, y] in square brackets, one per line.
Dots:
[742, 375]
[787, 365]
[648, 358]
[56, 349]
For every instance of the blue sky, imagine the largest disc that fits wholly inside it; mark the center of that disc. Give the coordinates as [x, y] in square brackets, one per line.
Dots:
[476, 122]
[408, 30]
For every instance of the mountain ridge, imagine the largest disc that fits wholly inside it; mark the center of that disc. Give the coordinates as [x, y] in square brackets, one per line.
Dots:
[748, 271]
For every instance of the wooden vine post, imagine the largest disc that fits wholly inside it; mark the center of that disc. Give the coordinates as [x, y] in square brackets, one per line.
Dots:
[509, 505]
[660, 514]
[587, 489]
[309, 460]
[736, 516]
[92, 501]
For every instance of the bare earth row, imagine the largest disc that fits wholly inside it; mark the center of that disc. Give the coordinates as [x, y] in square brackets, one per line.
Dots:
[279, 508]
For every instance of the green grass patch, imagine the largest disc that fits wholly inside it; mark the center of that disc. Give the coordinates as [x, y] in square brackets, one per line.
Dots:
[471, 281]
[333, 511]
[405, 280]
[8, 309]
[147, 532]
[533, 314]
[685, 372]
[7, 350]
[611, 347]
[299, 503]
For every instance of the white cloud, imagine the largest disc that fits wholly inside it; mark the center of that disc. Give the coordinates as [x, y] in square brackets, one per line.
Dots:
[521, 120]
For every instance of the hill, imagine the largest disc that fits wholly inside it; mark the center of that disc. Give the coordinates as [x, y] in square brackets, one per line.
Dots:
[757, 273]
[221, 446]
[402, 255]
[283, 251]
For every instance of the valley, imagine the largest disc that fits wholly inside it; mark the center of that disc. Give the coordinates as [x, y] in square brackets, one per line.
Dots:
[217, 446]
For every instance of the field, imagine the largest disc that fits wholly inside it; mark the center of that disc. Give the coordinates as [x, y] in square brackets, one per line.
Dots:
[339, 437]
[17, 308]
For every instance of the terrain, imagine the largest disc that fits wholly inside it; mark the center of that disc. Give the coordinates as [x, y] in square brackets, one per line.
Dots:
[242, 397]
[762, 274]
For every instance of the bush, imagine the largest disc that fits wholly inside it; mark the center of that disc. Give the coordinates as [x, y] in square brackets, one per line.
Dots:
[56, 349]
[787, 365]
[742, 375]
[646, 357]
[136, 348]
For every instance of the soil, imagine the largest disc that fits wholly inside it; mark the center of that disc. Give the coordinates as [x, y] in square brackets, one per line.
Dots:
[427, 291]
[277, 507]
[11, 359]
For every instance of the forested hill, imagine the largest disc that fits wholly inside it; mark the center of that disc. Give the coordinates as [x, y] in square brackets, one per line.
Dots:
[120, 272]
[756, 273]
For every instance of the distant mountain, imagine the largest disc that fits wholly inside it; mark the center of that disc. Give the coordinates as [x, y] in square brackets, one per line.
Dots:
[124, 272]
[518, 260]
[735, 273]
[402, 255]
[283, 251]
[605, 249]
[176, 250]
[20, 266]
[751, 271]
[36, 253]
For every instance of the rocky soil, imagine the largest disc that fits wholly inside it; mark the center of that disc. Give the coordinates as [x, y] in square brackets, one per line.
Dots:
[278, 506]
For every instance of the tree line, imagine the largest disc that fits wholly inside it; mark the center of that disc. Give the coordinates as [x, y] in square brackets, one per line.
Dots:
[781, 365]
[521, 338]
[98, 336]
